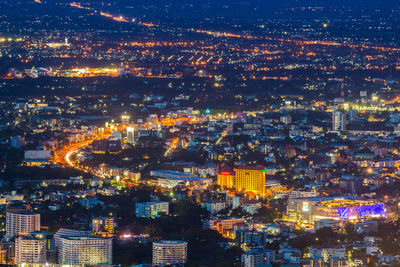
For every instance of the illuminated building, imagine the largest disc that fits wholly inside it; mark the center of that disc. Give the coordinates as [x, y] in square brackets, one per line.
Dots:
[151, 209]
[270, 229]
[366, 227]
[213, 206]
[125, 119]
[36, 157]
[338, 121]
[168, 178]
[286, 119]
[258, 257]
[169, 252]
[30, 250]
[238, 199]
[133, 176]
[316, 263]
[336, 262]
[3, 256]
[142, 133]
[303, 193]
[106, 145]
[225, 179]
[15, 203]
[37, 247]
[249, 238]
[327, 223]
[7, 252]
[21, 222]
[250, 179]
[225, 226]
[217, 195]
[116, 136]
[50, 244]
[130, 135]
[70, 231]
[103, 226]
[85, 250]
[327, 253]
[251, 206]
[309, 210]
[276, 190]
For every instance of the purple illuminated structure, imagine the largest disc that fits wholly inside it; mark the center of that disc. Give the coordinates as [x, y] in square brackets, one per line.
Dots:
[374, 210]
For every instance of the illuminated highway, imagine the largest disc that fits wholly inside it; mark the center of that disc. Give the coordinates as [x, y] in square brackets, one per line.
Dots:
[172, 147]
[247, 36]
[64, 155]
[69, 153]
[221, 34]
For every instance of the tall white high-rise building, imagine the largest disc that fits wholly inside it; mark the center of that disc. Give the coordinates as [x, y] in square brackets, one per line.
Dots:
[338, 121]
[30, 249]
[130, 135]
[169, 252]
[70, 231]
[21, 222]
[85, 250]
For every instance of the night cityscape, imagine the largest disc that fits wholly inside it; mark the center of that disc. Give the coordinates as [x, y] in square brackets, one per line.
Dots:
[196, 133]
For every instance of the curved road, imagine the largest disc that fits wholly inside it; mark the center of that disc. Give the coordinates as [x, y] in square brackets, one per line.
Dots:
[69, 153]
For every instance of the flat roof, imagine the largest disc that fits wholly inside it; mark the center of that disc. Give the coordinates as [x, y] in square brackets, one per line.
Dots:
[330, 198]
[83, 238]
[252, 168]
[170, 242]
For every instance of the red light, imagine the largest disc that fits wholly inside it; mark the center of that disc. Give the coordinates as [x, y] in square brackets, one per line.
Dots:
[225, 173]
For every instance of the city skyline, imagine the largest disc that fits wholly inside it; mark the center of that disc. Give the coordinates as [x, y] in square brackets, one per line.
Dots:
[200, 133]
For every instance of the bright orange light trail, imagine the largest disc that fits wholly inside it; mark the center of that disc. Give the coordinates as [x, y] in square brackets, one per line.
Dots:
[172, 146]
[299, 42]
[63, 156]
[238, 35]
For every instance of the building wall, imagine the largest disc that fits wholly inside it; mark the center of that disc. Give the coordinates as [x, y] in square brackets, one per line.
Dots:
[69, 232]
[151, 209]
[169, 252]
[30, 250]
[103, 225]
[17, 223]
[250, 180]
[85, 250]
[225, 180]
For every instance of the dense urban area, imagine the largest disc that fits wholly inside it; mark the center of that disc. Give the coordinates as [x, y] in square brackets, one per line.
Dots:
[250, 133]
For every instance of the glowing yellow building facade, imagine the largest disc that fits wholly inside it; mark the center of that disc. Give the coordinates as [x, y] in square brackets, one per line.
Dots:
[249, 178]
[85, 250]
[225, 179]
